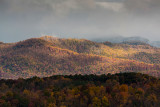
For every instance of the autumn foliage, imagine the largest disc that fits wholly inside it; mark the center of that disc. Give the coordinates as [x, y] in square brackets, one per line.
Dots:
[119, 90]
[47, 56]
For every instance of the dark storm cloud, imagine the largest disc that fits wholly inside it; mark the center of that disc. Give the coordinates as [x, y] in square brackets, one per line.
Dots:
[21, 19]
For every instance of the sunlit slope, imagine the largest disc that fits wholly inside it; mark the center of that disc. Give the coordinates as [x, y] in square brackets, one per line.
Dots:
[42, 57]
[140, 52]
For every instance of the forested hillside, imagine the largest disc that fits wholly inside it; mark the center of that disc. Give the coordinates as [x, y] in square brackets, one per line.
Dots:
[119, 90]
[48, 56]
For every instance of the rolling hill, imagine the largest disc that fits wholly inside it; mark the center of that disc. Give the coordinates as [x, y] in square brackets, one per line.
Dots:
[48, 56]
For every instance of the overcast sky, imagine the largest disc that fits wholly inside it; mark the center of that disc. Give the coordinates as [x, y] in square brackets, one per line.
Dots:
[22, 19]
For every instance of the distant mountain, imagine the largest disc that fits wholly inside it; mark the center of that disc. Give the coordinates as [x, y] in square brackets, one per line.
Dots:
[155, 43]
[120, 39]
[134, 43]
[140, 39]
[48, 56]
[113, 39]
[127, 40]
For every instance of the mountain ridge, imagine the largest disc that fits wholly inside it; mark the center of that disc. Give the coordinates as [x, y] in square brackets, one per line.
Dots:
[48, 56]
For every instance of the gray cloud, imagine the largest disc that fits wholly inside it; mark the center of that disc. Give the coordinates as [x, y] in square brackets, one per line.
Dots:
[49, 6]
[22, 19]
[143, 6]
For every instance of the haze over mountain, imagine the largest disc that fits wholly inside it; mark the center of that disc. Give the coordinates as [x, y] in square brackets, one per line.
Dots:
[48, 56]
[133, 40]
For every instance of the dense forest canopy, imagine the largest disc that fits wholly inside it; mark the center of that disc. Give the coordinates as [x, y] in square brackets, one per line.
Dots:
[118, 90]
